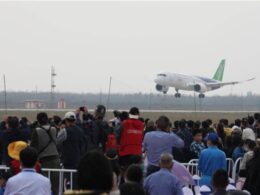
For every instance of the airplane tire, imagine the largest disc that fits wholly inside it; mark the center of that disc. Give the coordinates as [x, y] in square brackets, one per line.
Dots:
[201, 95]
[177, 95]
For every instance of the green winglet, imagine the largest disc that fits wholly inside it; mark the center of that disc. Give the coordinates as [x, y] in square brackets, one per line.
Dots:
[220, 71]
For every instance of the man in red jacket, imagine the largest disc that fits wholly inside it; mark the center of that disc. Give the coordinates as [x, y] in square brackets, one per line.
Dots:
[131, 137]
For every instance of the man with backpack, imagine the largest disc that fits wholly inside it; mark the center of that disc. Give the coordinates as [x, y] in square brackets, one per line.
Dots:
[44, 140]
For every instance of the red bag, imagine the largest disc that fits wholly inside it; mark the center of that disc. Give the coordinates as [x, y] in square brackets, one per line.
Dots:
[111, 142]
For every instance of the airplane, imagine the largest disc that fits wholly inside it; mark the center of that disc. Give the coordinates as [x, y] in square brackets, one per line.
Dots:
[193, 83]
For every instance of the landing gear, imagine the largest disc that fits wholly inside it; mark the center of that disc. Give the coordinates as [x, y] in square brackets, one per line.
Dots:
[201, 95]
[177, 95]
[164, 92]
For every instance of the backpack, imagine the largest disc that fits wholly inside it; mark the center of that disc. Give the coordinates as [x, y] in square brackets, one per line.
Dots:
[111, 142]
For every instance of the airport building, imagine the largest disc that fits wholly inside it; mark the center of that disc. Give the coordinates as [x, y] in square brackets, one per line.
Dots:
[62, 104]
[34, 104]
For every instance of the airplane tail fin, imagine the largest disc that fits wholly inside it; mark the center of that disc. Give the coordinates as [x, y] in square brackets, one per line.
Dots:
[220, 71]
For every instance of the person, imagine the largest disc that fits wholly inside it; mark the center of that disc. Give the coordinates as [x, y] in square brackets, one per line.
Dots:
[73, 142]
[249, 147]
[11, 134]
[131, 189]
[14, 150]
[227, 129]
[95, 175]
[134, 173]
[252, 182]
[131, 137]
[248, 132]
[28, 181]
[44, 140]
[163, 181]
[211, 159]
[72, 145]
[197, 145]
[238, 147]
[158, 142]
[220, 182]
[150, 126]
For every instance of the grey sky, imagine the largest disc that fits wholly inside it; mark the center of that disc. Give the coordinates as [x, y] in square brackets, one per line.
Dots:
[131, 41]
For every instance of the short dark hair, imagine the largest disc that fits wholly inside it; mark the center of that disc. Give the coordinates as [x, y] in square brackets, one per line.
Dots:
[13, 122]
[220, 179]
[196, 131]
[257, 115]
[163, 123]
[238, 122]
[95, 172]
[134, 111]
[134, 173]
[131, 189]
[42, 118]
[28, 157]
[251, 144]
[250, 120]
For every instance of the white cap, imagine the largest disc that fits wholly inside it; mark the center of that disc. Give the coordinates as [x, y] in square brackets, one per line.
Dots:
[70, 115]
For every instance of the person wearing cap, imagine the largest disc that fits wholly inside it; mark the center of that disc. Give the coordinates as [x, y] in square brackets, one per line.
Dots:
[44, 140]
[73, 144]
[130, 139]
[211, 159]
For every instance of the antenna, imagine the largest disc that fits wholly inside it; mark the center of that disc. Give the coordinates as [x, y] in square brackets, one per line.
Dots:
[5, 94]
[109, 93]
[53, 75]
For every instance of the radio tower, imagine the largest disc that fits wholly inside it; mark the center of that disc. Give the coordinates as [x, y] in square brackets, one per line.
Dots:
[53, 75]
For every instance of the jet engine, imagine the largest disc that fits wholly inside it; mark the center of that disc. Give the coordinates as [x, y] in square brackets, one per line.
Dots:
[200, 88]
[161, 88]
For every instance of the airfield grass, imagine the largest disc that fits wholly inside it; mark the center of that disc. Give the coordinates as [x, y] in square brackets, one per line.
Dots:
[215, 116]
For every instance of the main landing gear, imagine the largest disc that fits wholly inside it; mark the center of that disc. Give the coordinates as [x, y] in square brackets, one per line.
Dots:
[201, 95]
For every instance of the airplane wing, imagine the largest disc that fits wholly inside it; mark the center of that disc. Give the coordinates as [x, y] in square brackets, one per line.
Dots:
[221, 84]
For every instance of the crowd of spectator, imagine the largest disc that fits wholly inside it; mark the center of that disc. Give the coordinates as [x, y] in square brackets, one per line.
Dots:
[126, 155]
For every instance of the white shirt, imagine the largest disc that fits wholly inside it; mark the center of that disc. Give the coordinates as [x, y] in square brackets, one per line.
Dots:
[28, 182]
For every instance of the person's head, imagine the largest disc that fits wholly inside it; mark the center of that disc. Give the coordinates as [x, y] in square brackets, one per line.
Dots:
[70, 118]
[56, 120]
[205, 124]
[249, 145]
[166, 161]
[100, 112]
[42, 118]
[182, 124]
[209, 122]
[12, 122]
[256, 116]
[190, 124]
[163, 123]
[220, 179]
[197, 135]
[150, 124]
[238, 122]
[134, 113]
[131, 189]
[24, 122]
[28, 157]
[225, 122]
[95, 172]
[134, 173]
[250, 120]
[123, 116]
[212, 139]
[196, 125]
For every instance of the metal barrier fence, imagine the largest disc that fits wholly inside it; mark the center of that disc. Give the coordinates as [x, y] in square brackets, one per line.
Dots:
[192, 167]
[61, 172]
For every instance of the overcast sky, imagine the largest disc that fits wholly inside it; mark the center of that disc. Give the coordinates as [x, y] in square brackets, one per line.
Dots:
[88, 42]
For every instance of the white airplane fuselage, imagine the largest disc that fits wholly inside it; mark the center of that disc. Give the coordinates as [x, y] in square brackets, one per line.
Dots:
[184, 82]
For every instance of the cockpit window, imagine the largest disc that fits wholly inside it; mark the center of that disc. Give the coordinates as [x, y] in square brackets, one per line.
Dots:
[163, 75]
